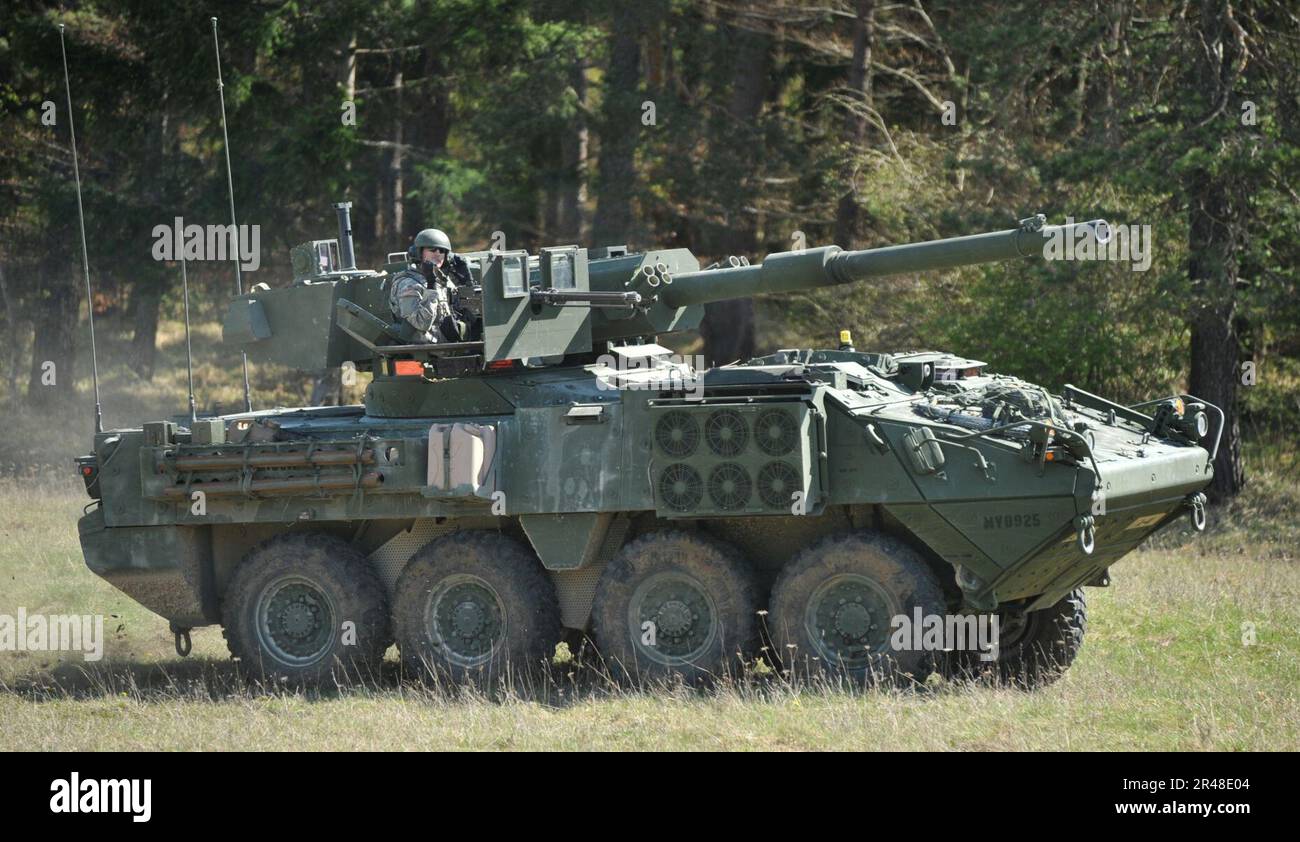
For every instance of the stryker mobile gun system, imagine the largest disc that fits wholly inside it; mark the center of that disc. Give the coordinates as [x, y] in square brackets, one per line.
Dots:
[568, 473]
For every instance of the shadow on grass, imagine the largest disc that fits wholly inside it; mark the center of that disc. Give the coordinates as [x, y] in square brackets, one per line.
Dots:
[191, 679]
[556, 685]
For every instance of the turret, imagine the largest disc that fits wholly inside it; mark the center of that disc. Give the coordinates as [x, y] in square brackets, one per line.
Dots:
[566, 301]
[671, 287]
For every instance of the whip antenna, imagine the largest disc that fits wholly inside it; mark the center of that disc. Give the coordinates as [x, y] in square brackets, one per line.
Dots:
[85, 257]
[230, 183]
[189, 358]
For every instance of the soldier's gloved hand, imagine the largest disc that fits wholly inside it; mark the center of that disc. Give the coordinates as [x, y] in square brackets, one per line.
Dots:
[453, 329]
[458, 268]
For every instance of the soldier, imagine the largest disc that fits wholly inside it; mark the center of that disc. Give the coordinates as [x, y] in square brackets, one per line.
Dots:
[425, 295]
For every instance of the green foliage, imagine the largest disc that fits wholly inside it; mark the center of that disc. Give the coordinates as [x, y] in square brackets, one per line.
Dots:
[474, 116]
[1103, 330]
[451, 193]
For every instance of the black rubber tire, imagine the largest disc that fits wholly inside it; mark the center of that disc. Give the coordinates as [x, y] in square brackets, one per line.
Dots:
[716, 568]
[530, 610]
[901, 574]
[350, 585]
[1043, 650]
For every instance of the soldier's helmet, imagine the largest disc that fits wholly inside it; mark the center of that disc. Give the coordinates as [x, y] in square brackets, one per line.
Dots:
[429, 238]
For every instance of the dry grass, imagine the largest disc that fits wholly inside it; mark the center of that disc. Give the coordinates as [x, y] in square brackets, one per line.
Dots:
[1164, 667]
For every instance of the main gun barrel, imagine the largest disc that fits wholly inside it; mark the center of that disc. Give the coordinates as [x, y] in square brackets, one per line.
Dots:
[830, 265]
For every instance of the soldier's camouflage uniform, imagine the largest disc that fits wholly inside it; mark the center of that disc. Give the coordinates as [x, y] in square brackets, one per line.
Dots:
[429, 310]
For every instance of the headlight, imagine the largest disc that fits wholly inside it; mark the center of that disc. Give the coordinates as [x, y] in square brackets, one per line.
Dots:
[1195, 424]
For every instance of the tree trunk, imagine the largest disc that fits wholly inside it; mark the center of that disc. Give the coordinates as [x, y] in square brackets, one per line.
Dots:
[146, 302]
[728, 326]
[427, 131]
[847, 212]
[399, 161]
[728, 331]
[151, 283]
[573, 188]
[328, 388]
[433, 125]
[1216, 233]
[620, 127]
[54, 338]
[1215, 372]
[384, 233]
[11, 329]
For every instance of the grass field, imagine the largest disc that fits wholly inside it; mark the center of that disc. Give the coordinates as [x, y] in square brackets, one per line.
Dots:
[1168, 664]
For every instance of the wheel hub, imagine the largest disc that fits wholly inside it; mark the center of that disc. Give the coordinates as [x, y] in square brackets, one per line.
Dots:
[298, 619]
[849, 618]
[853, 621]
[467, 619]
[672, 619]
[295, 621]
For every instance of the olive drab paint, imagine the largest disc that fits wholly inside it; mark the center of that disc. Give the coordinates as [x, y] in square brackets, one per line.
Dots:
[567, 429]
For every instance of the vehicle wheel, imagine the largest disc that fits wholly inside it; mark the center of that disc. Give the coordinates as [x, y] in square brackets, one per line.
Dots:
[475, 605]
[1035, 648]
[833, 605]
[674, 603]
[305, 607]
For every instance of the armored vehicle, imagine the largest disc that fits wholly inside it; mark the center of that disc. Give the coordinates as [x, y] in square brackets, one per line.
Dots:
[567, 475]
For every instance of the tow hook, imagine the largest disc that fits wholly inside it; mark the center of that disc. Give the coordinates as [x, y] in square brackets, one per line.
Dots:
[183, 643]
[1196, 502]
[1086, 533]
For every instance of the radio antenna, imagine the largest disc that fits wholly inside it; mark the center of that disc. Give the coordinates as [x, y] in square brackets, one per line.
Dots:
[230, 183]
[189, 357]
[85, 257]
